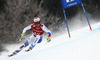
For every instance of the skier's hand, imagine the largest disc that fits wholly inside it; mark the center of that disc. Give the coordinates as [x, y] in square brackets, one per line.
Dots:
[22, 35]
[48, 39]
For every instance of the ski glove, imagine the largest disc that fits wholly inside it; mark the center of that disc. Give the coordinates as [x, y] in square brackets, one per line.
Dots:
[22, 35]
[48, 39]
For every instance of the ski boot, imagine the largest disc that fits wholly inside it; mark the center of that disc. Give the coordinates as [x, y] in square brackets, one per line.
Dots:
[30, 48]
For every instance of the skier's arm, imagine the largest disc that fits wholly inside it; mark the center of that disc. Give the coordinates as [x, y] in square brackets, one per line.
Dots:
[26, 28]
[47, 31]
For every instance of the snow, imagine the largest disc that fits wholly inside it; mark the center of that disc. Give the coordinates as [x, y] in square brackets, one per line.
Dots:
[83, 45]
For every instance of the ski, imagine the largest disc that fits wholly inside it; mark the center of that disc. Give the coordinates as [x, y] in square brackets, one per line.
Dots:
[14, 53]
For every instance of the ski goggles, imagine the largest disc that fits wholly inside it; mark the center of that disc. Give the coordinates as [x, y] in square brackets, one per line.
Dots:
[37, 23]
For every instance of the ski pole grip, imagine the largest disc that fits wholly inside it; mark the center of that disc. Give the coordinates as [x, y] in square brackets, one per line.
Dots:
[22, 35]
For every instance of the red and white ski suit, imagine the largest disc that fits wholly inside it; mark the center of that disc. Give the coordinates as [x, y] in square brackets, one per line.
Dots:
[37, 35]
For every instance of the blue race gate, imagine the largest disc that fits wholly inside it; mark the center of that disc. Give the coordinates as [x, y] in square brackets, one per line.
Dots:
[70, 3]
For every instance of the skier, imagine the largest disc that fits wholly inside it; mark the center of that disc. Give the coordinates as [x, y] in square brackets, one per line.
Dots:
[38, 30]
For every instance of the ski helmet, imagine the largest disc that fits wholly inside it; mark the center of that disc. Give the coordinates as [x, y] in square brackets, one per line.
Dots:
[37, 19]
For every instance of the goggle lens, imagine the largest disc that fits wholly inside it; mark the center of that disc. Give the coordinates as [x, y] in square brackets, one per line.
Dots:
[37, 23]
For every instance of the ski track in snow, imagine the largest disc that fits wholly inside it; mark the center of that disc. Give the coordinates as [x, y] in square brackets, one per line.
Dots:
[83, 45]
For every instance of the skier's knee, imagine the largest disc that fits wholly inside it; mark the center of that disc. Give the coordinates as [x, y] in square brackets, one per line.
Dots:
[26, 43]
[40, 40]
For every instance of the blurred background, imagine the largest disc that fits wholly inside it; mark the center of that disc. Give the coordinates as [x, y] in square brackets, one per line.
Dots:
[17, 14]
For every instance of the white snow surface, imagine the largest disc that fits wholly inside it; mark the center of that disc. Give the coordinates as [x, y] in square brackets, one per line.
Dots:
[83, 45]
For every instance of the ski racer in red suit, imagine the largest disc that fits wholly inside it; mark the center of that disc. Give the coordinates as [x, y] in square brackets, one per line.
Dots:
[38, 30]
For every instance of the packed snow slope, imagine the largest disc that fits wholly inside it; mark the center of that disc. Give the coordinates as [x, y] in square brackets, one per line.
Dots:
[83, 45]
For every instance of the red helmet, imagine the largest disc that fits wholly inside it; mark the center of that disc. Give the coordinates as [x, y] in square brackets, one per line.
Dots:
[36, 19]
